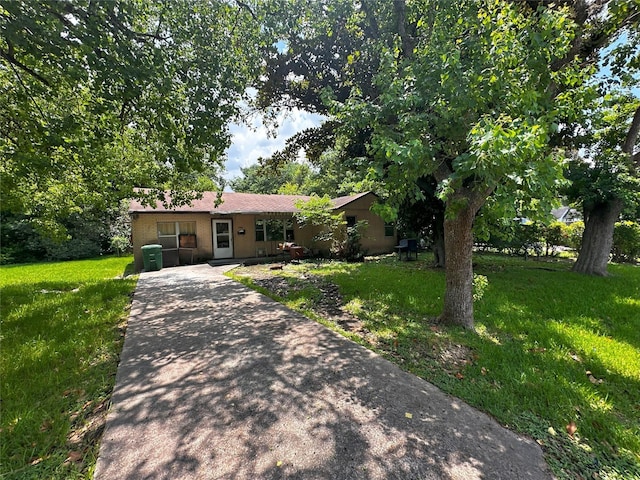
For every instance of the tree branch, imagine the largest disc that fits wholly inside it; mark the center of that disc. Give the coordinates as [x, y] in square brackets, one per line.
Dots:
[9, 57]
[407, 41]
[247, 8]
[632, 134]
[26, 90]
[373, 29]
[443, 171]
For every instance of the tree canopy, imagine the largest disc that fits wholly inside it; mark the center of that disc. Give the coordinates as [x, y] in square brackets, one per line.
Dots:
[101, 97]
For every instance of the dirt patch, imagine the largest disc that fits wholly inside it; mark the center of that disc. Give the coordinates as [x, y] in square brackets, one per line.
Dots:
[455, 357]
[328, 303]
[86, 431]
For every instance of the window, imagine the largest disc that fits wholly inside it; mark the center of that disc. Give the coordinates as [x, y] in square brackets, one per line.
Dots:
[188, 228]
[274, 230]
[167, 235]
[260, 230]
[351, 221]
[288, 230]
[389, 229]
[169, 232]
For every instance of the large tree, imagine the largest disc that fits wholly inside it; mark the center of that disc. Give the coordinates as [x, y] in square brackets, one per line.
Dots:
[476, 94]
[267, 179]
[608, 180]
[606, 183]
[100, 97]
[463, 100]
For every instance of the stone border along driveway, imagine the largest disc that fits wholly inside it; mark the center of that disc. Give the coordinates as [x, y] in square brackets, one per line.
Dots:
[217, 381]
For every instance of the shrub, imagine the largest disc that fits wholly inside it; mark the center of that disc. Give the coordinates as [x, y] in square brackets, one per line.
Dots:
[528, 238]
[574, 235]
[20, 242]
[626, 242]
[516, 238]
[480, 284]
[120, 244]
[555, 234]
[350, 248]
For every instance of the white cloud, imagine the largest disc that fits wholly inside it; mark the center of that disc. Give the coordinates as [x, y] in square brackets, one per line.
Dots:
[250, 143]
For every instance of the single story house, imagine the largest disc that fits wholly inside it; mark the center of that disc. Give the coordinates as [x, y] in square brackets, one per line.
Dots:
[244, 225]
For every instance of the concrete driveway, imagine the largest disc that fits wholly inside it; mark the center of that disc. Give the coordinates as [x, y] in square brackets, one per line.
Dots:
[219, 382]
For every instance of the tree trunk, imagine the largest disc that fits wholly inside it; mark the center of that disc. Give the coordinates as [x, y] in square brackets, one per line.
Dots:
[597, 238]
[458, 244]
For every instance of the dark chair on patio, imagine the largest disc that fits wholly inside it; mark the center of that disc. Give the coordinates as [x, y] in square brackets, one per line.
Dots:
[407, 246]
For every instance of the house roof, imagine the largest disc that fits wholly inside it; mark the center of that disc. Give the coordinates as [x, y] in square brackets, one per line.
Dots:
[560, 212]
[238, 203]
[566, 214]
[342, 201]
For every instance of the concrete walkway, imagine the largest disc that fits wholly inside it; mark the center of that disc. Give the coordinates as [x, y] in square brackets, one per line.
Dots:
[219, 382]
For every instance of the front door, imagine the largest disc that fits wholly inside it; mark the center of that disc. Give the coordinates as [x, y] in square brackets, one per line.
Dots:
[222, 239]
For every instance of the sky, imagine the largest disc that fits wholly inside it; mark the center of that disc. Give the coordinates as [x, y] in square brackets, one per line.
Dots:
[251, 142]
[248, 143]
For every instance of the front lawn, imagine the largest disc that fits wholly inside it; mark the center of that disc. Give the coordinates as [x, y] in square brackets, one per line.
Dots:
[62, 331]
[556, 355]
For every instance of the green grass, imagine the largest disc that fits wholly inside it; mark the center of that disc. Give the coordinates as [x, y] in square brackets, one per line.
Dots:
[552, 347]
[62, 331]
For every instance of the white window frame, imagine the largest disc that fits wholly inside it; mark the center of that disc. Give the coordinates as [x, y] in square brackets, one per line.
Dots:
[262, 230]
[176, 234]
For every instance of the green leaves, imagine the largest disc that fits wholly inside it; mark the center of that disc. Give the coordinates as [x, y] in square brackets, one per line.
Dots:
[474, 95]
[604, 172]
[101, 97]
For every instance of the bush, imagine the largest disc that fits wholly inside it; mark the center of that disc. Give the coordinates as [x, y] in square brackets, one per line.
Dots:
[344, 240]
[626, 242]
[556, 234]
[23, 243]
[73, 249]
[574, 235]
[350, 248]
[120, 244]
[516, 238]
[20, 242]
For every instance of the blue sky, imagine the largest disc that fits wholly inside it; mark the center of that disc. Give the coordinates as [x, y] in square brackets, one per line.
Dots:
[248, 143]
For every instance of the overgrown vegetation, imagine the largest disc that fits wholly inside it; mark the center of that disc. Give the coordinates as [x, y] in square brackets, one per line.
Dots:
[538, 239]
[87, 233]
[626, 241]
[62, 331]
[343, 239]
[556, 355]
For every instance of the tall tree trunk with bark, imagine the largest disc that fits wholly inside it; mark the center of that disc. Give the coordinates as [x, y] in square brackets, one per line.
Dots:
[600, 220]
[597, 238]
[458, 243]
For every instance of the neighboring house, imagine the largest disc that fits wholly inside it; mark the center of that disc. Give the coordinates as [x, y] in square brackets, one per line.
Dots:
[566, 215]
[244, 225]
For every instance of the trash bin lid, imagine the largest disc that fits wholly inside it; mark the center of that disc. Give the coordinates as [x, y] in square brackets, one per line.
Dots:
[151, 247]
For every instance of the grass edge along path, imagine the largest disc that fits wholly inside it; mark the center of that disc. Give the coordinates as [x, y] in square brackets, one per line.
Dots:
[62, 333]
[556, 356]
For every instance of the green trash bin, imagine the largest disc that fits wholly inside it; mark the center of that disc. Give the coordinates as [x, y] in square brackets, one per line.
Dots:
[152, 257]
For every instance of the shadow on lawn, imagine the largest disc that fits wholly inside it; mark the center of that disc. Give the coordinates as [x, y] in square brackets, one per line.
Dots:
[530, 359]
[219, 381]
[62, 338]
